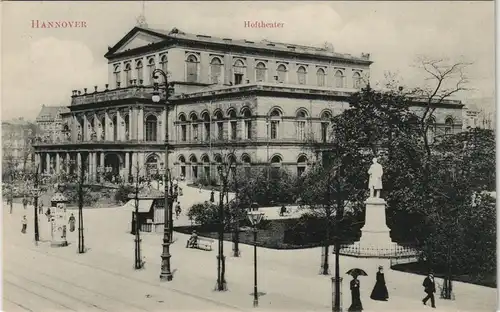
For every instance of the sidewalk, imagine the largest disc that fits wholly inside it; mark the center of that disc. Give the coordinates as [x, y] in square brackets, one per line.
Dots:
[288, 277]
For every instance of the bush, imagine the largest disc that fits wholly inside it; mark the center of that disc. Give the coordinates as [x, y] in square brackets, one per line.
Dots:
[207, 213]
[121, 195]
[71, 192]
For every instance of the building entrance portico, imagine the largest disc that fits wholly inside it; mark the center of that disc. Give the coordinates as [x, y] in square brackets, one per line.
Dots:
[113, 163]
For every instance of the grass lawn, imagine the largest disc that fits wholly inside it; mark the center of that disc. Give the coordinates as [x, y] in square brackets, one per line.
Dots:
[421, 268]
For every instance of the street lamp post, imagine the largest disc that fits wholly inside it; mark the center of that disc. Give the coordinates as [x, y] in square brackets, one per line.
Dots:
[255, 217]
[221, 259]
[166, 273]
[35, 206]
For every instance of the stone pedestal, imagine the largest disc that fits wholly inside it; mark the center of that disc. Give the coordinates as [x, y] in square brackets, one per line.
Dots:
[375, 233]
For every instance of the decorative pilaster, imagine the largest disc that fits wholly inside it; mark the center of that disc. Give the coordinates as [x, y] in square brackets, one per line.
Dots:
[133, 166]
[131, 123]
[37, 161]
[67, 161]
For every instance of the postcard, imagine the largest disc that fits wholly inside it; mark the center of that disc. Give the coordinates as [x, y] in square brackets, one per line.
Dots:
[246, 155]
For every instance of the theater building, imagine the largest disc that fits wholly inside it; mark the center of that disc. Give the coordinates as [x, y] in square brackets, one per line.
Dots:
[259, 103]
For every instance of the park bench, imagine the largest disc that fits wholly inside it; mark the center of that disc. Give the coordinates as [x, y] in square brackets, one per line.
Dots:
[204, 243]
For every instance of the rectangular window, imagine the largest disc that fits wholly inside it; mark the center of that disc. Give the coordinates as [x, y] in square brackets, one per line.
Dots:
[233, 130]
[238, 79]
[324, 132]
[274, 129]
[301, 125]
[248, 129]
[195, 132]
[220, 130]
[207, 131]
[183, 133]
[300, 170]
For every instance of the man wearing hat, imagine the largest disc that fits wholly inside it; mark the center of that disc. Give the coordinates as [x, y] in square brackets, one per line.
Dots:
[430, 289]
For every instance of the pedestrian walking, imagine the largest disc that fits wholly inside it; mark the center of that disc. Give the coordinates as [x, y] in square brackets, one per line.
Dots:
[178, 210]
[72, 222]
[430, 289]
[25, 224]
[282, 210]
[379, 291]
[356, 305]
[25, 202]
[48, 214]
[212, 196]
[40, 208]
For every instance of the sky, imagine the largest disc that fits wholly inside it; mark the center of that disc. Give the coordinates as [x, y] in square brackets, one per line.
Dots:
[42, 66]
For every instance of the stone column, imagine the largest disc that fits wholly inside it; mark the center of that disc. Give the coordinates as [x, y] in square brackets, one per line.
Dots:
[142, 166]
[78, 164]
[127, 166]
[58, 164]
[68, 165]
[94, 161]
[131, 123]
[119, 126]
[140, 124]
[106, 129]
[134, 165]
[47, 162]
[37, 160]
[85, 128]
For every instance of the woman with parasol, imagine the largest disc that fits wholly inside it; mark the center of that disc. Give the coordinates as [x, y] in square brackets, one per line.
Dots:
[356, 304]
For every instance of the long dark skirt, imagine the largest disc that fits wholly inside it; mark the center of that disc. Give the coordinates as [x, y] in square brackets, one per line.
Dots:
[379, 292]
[72, 227]
[356, 305]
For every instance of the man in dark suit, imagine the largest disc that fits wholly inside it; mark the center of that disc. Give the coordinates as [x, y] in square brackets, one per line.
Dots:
[430, 289]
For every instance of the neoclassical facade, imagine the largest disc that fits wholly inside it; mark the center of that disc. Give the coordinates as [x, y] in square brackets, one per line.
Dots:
[259, 103]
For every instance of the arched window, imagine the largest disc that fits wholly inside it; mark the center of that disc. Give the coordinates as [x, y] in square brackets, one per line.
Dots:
[301, 75]
[356, 80]
[151, 128]
[182, 162]
[128, 74]
[140, 74]
[194, 167]
[301, 125]
[239, 72]
[206, 167]
[215, 70]
[194, 125]
[182, 122]
[218, 158]
[448, 125]
[220, 125]
[320, 77]
[282, 71]
[260, 72]
[275, 117]
[326, 118]
[339, 79]
[247, 115]
[117, 74]
[207, 127]
[115, 128]
[276, 160]
[233, 125]
[164, 62]
[191, 68]
[301, 165]
[151, 68]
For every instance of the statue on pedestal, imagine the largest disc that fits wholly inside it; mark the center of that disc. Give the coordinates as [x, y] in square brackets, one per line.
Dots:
[375, 181]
